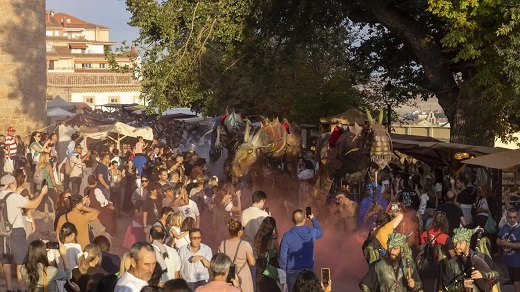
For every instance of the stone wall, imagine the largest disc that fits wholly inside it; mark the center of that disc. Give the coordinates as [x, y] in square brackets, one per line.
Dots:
[23, 76]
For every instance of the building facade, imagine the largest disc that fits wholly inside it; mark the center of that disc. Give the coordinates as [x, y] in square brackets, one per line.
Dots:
[22, 66]
[77, 69]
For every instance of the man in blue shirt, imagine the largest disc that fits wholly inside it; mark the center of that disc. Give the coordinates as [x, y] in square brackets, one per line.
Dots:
[509, 239]
[297, 247]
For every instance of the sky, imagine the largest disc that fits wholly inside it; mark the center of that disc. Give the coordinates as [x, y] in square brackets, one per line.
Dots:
[110, 13]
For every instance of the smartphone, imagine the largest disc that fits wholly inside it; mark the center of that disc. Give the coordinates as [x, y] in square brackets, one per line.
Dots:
[308, 211]
[52, 245]
[44, 182]
[325, 276]
[266, 209]
[231, 274]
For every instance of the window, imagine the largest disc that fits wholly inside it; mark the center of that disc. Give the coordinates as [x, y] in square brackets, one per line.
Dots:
[88, 99]
[51, 65]
[86, 66]
[113, 99]
[102, 66]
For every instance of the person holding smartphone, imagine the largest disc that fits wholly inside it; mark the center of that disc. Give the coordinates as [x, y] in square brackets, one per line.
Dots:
[297, 246]
[220, 268]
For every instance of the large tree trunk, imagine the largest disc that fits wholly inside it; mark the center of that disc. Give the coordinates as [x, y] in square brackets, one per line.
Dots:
[460, 105]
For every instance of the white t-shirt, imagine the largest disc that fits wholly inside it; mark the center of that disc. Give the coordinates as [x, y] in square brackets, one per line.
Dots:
[15, 203]
[173, 263]
[73, 253]
[438, 187]
[424, 201]
[190, 210]
[182, 241]
[129, 283]
[252, 218]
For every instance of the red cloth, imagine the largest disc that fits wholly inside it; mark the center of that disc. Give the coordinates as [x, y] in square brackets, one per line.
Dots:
[133, 234]
[224, 116]
[336, 133]
[285, 126]
[441, 239]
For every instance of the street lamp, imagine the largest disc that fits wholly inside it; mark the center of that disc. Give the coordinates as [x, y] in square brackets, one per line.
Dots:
[386, 89]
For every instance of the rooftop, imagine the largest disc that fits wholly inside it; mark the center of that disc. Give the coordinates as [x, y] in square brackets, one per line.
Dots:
[64, 20]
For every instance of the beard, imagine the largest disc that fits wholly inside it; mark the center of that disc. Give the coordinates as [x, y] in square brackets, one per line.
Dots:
[394, 260]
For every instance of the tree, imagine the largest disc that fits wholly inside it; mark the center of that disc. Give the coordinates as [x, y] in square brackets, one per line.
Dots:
[210, 54]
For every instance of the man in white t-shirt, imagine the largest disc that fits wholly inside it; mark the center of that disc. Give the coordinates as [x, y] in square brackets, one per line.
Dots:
[17, 251]
[142, 264]
[190, 210]
[252, 218]
[166, 256]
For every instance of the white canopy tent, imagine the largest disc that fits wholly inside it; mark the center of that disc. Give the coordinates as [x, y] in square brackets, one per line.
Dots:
[122, 131]
[61, 103]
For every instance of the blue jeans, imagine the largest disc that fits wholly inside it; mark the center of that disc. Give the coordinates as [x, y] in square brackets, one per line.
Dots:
[291, 277]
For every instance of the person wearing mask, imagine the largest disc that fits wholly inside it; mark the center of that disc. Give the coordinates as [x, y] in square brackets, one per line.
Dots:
[297, 246]
[241, 254]
[394, 271]
[38, 274]
[88, 273]
[219, 265]
[195, 260]
[80, 216]
[167, 258]
[143, 261]
[267, 249]
[455, 275]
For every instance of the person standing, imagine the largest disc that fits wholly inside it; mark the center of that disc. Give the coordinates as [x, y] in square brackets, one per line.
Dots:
[253, 216]
[466, 197]
[195, 260]
[166, 256]
[408, 196]
[143, 261]
[150, 208]
[74, 169]
[80, 216]
[102, 175]
[297, 246]
[220, 264]
[452, 211]
[2, 153]
[509, 239]
[14, 247]
[455, 275]
[240, 252]
[394, 272]
[267, 249]
[10, 146]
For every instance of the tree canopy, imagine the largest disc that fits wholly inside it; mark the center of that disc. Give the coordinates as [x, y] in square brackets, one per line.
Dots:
[304, 59]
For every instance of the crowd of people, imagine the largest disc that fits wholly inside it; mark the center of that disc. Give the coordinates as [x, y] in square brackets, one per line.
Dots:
[419, 228]
[167, 201]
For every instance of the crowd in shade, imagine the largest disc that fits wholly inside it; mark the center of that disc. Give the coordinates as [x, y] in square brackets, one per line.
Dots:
[182, 229]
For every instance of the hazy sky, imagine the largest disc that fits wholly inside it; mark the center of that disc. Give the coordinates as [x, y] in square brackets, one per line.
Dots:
[110, 13]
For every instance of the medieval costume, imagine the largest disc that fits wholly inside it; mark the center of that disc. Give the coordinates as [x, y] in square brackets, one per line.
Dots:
[392, 274]
[460, 267]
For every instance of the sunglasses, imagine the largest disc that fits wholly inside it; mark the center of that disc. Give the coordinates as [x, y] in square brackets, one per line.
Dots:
[144, 180]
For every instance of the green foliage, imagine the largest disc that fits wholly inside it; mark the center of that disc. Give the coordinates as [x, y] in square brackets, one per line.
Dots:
[276, 58]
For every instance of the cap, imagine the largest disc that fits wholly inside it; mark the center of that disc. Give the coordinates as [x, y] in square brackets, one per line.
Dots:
[166, 188]
[11, 129]
[5, 181]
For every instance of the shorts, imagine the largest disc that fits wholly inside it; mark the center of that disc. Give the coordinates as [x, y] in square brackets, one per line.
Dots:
[514, 274]
[15, 247]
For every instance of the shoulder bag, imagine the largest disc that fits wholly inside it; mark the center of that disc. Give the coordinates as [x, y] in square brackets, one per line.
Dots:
[234, 259]
[270, 271]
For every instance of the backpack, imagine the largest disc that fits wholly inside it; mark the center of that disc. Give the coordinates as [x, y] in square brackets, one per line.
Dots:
[426, 261]
[38, 176]
[374, 244]
[5, 226]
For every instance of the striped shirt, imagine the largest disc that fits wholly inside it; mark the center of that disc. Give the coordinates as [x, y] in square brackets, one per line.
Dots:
[10, 146]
